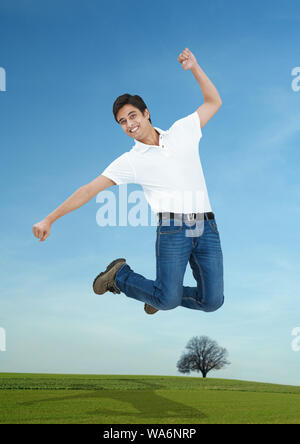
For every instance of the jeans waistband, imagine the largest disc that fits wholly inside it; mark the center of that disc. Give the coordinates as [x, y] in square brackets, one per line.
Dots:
[189, 216]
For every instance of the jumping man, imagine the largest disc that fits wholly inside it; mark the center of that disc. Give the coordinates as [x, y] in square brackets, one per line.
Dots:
[168, 166]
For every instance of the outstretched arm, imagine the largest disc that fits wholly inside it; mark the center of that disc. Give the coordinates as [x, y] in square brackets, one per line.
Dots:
[212, 99]
[41, 230]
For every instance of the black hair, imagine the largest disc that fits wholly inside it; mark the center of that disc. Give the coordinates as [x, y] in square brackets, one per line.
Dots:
[128, 99]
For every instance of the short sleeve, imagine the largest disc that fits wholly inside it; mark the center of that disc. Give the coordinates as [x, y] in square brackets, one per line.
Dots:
[120, 170]
[189, 127]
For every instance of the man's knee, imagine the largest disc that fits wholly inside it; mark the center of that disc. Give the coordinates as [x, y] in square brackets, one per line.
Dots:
[169, 305]
[214, 305]
[171, 299]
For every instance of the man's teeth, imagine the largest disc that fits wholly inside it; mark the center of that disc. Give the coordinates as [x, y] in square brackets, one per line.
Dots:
[134, 129]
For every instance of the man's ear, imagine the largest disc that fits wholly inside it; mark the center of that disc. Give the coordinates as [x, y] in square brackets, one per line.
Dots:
[147, 114]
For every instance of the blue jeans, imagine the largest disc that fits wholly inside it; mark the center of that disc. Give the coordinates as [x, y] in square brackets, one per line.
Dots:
[174, 249]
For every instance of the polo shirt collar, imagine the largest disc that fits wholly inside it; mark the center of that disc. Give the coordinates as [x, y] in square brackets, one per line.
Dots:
[142, 147]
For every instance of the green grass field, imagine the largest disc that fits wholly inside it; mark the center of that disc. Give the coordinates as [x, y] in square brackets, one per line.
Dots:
[122, 399]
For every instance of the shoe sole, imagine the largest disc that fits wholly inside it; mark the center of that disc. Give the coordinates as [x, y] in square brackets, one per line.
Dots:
[149, 309]
[108, 268]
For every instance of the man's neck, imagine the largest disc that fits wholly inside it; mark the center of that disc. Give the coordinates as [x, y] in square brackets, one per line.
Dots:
[152, 138]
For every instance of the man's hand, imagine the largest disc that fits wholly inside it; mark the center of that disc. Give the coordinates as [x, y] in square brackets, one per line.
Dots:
[187, 59]
[41, 230]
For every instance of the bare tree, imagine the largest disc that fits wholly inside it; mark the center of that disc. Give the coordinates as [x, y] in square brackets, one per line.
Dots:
[202, 355]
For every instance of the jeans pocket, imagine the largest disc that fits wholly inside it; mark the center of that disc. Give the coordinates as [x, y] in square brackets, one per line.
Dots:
[169, 229]
[213, 225]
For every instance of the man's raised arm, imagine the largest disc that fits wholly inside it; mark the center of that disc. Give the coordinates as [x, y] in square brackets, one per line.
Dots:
[212, 99]
[41, 230]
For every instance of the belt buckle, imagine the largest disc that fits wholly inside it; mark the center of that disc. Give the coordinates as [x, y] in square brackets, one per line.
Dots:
[190, 217]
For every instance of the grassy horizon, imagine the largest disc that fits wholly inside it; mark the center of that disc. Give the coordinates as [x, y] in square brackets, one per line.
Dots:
[110, 375]
[144, 399]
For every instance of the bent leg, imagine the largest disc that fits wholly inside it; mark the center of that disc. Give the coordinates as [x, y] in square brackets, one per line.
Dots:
[206, 261]
[173, 250]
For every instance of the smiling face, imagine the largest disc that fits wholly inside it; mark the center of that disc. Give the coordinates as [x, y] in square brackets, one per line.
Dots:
[133, 122]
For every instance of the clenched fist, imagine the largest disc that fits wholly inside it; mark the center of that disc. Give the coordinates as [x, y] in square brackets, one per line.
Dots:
[41, 230]
[187, 59]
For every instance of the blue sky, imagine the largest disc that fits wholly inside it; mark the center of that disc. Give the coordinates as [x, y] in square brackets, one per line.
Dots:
[66, 62]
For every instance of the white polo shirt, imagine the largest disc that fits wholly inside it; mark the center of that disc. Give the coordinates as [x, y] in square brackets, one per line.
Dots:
[171, 173]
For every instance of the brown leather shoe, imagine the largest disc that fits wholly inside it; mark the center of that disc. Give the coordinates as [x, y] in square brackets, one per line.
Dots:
[149, 309]
[105, 281]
